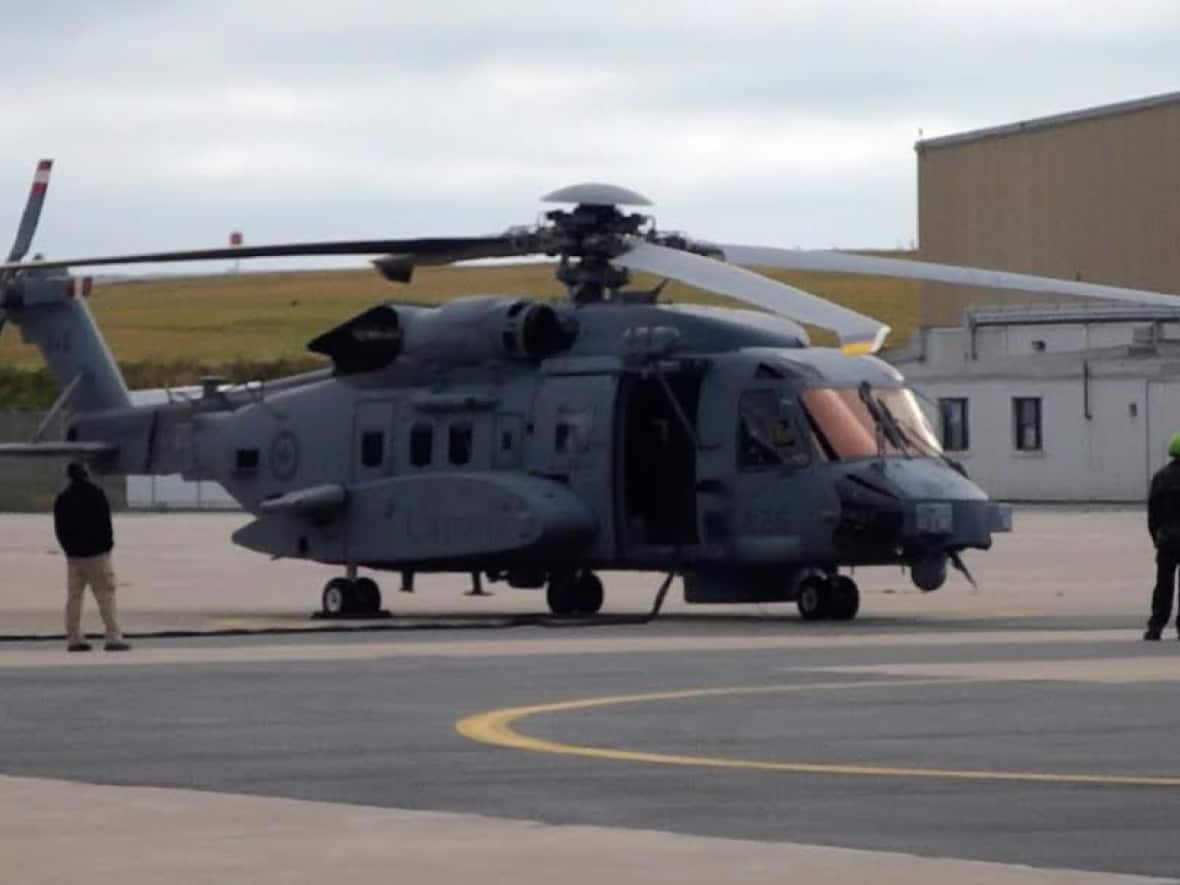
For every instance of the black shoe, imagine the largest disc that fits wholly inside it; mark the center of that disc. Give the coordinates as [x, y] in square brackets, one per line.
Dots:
[1152, 634]
[79, 646]
[123, 646]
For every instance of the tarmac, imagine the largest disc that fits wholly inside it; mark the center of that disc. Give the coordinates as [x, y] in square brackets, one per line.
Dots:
[1017, 733]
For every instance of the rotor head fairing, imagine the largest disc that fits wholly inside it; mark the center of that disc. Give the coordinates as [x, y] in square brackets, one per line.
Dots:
[595, 193]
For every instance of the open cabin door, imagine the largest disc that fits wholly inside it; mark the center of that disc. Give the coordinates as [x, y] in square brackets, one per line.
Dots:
[658, 461]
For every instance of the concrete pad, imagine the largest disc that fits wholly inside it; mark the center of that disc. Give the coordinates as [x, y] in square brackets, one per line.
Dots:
[59, 832]
[180, 571]
[17, 656]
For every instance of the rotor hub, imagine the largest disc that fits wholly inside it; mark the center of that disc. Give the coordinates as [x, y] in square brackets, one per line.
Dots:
[588, 236]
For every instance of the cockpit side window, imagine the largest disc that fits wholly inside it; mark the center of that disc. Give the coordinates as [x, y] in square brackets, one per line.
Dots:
[868, 422]
[768, 432]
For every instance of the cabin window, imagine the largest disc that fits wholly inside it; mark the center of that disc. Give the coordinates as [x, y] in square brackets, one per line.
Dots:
[459, 440]
[246, 460]
[421, 444]
[768, 433]
[1026, 423]
[952, 412]
[372, 448]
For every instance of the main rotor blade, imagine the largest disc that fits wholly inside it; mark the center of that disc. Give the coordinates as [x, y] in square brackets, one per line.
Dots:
[32, 213]
[430, 250]
[872, 265]
[857, 332]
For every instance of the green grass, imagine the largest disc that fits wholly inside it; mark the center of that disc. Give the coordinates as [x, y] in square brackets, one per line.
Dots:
[172, 331]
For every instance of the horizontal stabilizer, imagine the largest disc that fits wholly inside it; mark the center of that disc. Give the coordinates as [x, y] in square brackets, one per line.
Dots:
[310, 500]
[82, 450]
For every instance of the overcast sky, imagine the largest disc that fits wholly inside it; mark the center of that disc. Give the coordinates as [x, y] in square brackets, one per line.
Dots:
[781, 123]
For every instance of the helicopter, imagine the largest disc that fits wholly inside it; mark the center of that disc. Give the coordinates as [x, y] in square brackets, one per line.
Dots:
[539, 443]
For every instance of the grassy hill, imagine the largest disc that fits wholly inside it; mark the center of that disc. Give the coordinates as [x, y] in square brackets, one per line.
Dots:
[173, 330]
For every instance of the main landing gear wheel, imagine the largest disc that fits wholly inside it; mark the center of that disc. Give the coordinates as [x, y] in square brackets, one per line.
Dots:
[836, 598]
[342, 596]
[368, 595]
[574, 594]
[588, 594]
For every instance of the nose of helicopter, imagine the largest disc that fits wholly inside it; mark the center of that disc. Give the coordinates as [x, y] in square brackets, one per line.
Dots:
[925, 510]
[943, 510]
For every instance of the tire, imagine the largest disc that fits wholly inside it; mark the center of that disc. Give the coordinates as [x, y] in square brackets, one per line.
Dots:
[813, 598]
[845, 599]
[588, 594]
[339, 597]
[368, 595]
[561, 594]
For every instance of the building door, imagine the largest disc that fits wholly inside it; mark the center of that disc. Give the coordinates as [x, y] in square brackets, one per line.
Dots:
[1163, 419]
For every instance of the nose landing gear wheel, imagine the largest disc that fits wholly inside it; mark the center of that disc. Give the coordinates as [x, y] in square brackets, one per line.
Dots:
[844, 601]
[561, 594]
[579, 593]
[813, 598]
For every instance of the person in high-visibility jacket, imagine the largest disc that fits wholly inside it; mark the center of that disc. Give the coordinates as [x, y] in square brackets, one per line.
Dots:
[1163, 522]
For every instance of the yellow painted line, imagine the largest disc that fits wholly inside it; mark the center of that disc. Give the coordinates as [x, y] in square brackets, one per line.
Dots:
[496, 727]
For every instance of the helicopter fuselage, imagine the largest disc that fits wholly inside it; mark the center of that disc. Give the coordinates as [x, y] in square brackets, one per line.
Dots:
[715, 444]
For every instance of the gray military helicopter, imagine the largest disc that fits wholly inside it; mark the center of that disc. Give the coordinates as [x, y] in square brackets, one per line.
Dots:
[540, 442]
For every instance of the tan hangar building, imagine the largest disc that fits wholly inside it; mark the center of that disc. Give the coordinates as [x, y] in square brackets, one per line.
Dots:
[1089, 195]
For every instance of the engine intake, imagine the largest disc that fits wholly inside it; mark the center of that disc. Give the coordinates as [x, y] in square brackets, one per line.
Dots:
[466, 331]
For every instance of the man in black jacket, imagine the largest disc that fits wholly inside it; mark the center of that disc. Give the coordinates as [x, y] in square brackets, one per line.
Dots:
[1163, 522]
[82, 522]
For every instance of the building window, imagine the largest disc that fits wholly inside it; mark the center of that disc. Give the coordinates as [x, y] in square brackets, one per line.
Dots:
[953, 414]
[459, 441]
[421, 444]
[372, 448]
[1026, 421]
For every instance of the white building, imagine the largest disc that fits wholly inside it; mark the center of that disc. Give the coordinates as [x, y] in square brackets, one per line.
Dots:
[1053, 404]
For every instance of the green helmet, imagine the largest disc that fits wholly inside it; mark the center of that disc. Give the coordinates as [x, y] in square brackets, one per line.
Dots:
[1174, 446]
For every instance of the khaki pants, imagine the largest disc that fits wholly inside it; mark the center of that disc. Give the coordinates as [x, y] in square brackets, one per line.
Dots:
[95, 571]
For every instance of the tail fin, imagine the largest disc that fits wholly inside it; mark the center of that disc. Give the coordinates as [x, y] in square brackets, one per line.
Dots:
[49, 307]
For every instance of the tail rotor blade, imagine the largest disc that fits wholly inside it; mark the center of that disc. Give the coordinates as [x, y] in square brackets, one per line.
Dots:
[32, 213]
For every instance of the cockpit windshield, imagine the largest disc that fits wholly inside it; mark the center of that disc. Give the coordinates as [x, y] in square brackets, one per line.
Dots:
[869, 422]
